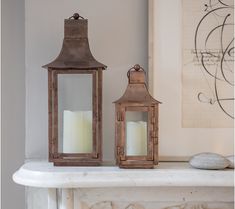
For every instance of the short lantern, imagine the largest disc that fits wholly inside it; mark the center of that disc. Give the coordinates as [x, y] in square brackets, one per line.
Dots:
[136, 124]
[75, 100]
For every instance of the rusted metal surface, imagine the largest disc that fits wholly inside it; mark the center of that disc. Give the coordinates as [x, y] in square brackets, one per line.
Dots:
[75, 58]
[136, 91]
[136, 98]
[75, 52]
[50, 142]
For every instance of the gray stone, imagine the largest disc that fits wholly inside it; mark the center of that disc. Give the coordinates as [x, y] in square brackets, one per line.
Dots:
[231, 161]
[209, 161]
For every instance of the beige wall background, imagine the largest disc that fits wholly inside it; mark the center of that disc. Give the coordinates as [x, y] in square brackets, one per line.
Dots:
[176, 142]
[118, 38]
[12, 101]
[118, 35]
[32, 33]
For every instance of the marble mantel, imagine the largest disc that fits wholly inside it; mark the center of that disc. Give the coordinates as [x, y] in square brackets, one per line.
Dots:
[170, 185]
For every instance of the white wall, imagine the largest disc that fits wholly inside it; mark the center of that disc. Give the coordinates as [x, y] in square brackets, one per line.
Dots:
[0, 104]
[176, 141]
[13, 101]
[118, 38]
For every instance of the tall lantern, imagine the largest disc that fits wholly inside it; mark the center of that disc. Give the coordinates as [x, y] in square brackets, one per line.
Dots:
[75, 100]
[136, 124]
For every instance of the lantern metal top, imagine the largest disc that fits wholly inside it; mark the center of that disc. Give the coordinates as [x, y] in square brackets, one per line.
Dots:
[136, 91]
[75, 52]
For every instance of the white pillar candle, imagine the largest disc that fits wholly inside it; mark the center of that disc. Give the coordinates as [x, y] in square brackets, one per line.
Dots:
[136, 138]
[77, 131]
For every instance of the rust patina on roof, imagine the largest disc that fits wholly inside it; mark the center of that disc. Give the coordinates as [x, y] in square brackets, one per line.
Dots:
[75, 52]
[136, 91]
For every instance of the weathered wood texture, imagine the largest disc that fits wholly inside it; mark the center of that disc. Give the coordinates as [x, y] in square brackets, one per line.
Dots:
[136, 98]
[75, 58]
[75, 159]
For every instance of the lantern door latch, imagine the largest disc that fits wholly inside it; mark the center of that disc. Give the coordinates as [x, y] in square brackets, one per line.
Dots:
[95, 155]
[154, 134]
[55, 155]
[120, 151]
[119, 116]
[153, 119]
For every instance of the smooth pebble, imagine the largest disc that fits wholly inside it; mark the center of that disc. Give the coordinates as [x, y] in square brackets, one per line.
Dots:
[209, 161]
[231, 161]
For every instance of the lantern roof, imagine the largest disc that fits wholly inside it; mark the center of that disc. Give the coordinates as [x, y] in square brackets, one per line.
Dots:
[75, 52]
[136, 91]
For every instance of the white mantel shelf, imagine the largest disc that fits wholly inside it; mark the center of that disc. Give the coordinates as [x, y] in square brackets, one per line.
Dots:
[45, 175]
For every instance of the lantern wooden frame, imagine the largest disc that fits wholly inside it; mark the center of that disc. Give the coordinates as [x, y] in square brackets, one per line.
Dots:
[136, 98]
[75, 58]
[93, 158]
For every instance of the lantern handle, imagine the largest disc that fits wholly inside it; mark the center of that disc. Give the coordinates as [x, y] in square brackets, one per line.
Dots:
[136, 67]
[76, 16]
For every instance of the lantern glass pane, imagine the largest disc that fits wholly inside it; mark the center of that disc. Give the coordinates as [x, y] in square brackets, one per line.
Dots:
[136, 133]
[75, 113]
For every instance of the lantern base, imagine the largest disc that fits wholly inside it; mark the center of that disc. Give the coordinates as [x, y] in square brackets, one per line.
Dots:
[137, 165]
[77, 162]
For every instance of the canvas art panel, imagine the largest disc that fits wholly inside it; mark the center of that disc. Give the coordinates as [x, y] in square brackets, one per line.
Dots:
[203, 130]
[208, 63]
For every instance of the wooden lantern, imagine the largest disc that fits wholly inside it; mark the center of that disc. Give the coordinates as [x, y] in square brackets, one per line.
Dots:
[136, 124]
[75, 100]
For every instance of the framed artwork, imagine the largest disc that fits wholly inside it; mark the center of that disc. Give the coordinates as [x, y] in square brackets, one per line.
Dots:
[208, 64]
[191, 59]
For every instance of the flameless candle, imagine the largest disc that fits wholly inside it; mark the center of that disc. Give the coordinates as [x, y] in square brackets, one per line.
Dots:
[136, 138]
[77, 132]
